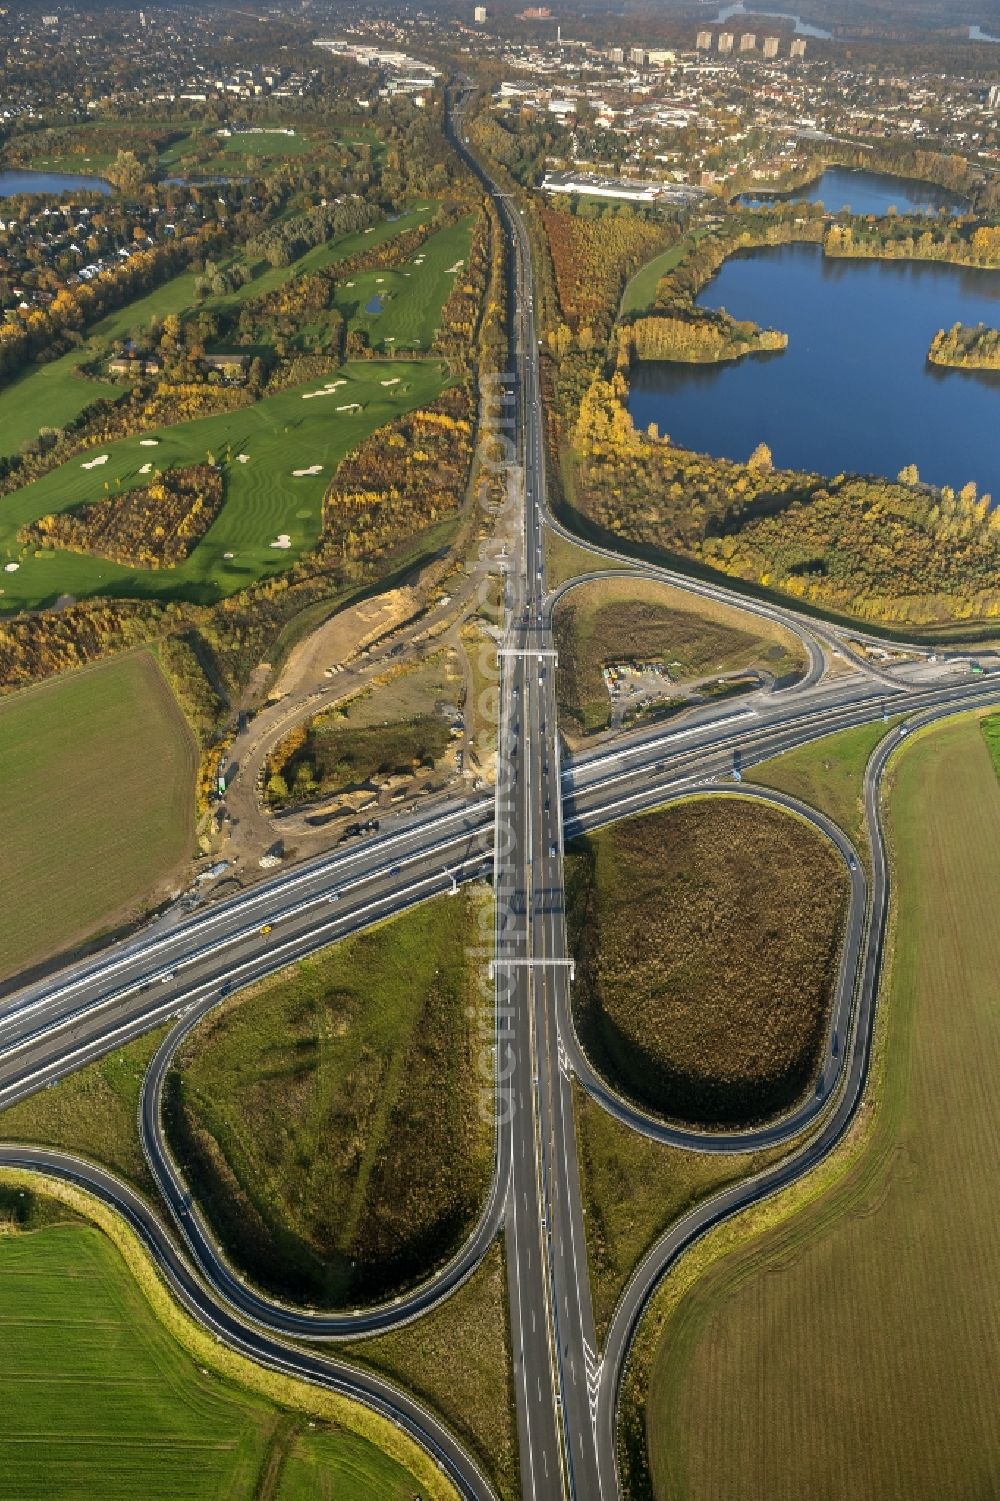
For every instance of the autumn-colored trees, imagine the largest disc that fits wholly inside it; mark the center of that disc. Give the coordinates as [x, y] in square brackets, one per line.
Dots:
[879, 549]
[968, 348]
[155, 526]
[704, 340]
[593, 259]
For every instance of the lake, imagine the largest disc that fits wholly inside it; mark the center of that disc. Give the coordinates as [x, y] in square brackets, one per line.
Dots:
[742, 12]
[14, 180]
[865, 193]
[853, 391]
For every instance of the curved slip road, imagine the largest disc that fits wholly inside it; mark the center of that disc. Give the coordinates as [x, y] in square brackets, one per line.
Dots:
[267, 1311]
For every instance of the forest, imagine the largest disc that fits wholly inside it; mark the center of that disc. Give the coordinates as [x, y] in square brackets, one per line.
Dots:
[592, 259]
[889, 551]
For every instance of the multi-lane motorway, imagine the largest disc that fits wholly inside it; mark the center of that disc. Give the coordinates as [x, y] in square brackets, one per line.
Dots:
[566, 1389]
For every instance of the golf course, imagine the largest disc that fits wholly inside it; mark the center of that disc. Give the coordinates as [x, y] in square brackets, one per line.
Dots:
[271, 515]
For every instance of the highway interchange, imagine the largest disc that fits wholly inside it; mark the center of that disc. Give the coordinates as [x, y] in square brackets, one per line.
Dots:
[566, 1389]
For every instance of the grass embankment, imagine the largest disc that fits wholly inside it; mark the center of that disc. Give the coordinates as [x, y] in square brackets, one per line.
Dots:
[636, 620]
[457, 1359]
[704, 981]
[633, 1190]
[861, 1334]
[828, 774]
[271, 516]
[329, 1121]
[93, 1112]
[565, 560]
[96, 804]
[109, 1392]
[56, 393]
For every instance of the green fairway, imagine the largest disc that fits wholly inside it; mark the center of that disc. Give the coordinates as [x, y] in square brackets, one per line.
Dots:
[400, 308]
[861, 1334]
[329, 1120]
[55, 393]
[96, 803]
[50, 396]
[266, 503]
[99, 1400]
[266, 143]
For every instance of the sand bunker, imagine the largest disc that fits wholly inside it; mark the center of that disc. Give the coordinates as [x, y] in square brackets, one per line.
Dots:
[228, 556]
[283, 540]
[242, 458]
[456, 267]
[102, 458]
[394, 382]
[11, 567]
[313, 469]
[149, 442]
[145, 468]
[327, 390]
[352, 406]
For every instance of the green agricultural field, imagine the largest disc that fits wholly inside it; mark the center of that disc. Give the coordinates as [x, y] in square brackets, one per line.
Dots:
[400, 307]
[329, 1120]
[96, 803]
[55, 393]
[861, 1334]
[266, 502]
[100, 1400]
[703, 984]
[634, 619]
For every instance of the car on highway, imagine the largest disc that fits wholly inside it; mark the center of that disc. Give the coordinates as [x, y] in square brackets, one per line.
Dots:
[266, 928]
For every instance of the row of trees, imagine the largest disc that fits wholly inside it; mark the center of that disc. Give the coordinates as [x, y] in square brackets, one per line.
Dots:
[913, 239]
[281, 243]
[39, 330]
